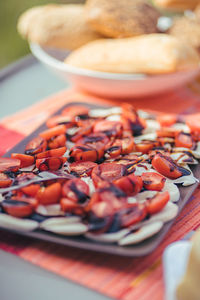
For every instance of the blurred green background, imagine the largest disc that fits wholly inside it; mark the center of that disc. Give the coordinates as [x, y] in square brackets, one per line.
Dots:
[12, 46]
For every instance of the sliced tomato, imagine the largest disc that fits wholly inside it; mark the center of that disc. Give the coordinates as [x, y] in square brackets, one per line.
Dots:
[153, 181]
[157, 203]
[109, 128]
[16, 208]
[132, 215]
[50, 163]
[69, 206]
[131, 184]
[31, 190]
[85, 153]
[193, 121]
[50, 194]
[9, 164]
[5, 181]
[167, 120]
[75, 111]
[184, 140]
[76, 190]
[167, 167]
[82, 168]
[60, 120]
[35, 146]
[52, 132]
[107, 172]
[52, 153]
[57, 142]
[26, 160]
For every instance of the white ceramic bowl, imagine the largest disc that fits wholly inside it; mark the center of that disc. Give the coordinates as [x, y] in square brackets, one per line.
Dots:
[111, 85]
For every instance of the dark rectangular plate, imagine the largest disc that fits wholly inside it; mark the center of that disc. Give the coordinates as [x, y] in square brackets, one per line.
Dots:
[80, 242]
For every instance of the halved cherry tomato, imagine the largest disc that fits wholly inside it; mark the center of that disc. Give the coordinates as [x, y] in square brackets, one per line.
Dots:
[76, 190]
[75, 110]
[167, 132]
[57, 142]
[26, 160]
[144, 147]
[5, 181]
[52, 153]
[165, 140]
[95, 140]
[157, 203]
[129, 160]
[82, 168]
[60, 120]
[131, 184]
[107, 172]
[127, 145]
[102, 209]
[31, 190]
[131, 121]
[153, 181]
[114, 148]
[70, 206]
[85, 153]
[109, 193]
[50, 163]
[184, 140]
[19, 209]
[52, 132]
[167, 167]
[50, 194]
[9, 164]
[35, 146]
[132, 215]
[31, 200]
[193, 121]
[83, 131]
[109, 128]
[167, 120]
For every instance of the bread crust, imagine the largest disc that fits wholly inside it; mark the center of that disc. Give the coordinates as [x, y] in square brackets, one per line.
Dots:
[117, 19]
[187, 30]
[149, 54]
[58, 26]
[177, 5]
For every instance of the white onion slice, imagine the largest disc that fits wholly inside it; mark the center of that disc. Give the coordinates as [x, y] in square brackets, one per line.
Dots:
[9, 222]
[141, 234]
[108, 237]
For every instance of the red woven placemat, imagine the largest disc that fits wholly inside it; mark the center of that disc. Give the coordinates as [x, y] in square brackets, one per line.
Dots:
[117, 277]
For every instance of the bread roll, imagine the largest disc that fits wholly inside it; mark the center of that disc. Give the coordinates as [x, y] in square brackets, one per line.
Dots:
[177, 5]
[58, 26]
[187, 30]
[189, 288]
[150, 54]
[117, 18]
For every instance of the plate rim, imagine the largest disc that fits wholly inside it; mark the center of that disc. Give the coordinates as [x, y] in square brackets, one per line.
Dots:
[42, 55]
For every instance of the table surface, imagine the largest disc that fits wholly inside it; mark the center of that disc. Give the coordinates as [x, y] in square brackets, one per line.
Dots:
[21, 85]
